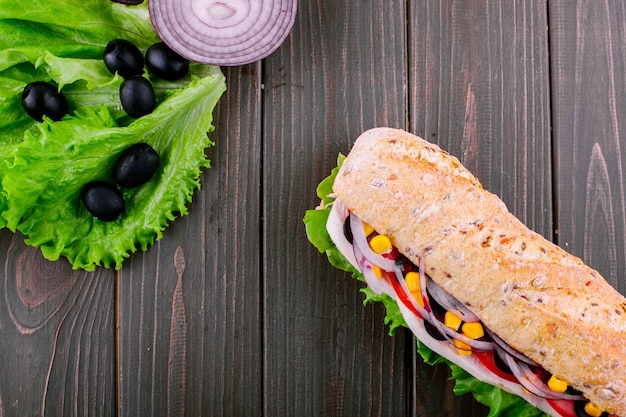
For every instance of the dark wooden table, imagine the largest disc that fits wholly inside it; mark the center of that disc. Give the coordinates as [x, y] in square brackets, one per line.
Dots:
[529, 94]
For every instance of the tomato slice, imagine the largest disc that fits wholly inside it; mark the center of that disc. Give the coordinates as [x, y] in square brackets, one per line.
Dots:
[486, 358]
[565, 408]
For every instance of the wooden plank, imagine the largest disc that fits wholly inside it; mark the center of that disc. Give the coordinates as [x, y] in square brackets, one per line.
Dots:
[340, 72]
[589, 77]
[479, 87]
[57, 350]
[190, 338]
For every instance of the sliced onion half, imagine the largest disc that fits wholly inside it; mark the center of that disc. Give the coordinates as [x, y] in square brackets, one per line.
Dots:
[226, 32]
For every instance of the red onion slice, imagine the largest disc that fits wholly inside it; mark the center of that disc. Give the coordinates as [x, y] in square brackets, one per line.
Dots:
[448, 333]
[531, 381]
[447, 301]
[521, 376]
[478, 345]
[338, 214]
[227, 32]
[509, 349]
[377, 284]
[360, 241]
[405, 288]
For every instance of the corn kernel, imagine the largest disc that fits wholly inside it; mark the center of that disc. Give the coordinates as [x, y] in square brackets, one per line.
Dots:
[381, 244]
[368, 229]
[377, 271]
[473, 330]
[418, 297]
[412, 280]
[463, 349]
[452, 321]
[592, 409]
[556, 384]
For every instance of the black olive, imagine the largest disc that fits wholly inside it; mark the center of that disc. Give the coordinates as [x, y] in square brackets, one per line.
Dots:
[571, 390]
[137, 96]
[405, 263]
[501, 363]
[433, 331]
[165, 63]
[436, 308]
[103, 200]
[123, 57]
[136, 165]
[347, 230]
[40, 99]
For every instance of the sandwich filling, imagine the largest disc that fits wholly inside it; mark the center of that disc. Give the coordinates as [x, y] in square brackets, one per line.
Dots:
[447, 326]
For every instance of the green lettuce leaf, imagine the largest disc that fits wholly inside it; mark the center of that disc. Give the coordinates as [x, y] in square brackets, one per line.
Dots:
[500, 402]
[62, 41]
[43, 166]
[47, 172]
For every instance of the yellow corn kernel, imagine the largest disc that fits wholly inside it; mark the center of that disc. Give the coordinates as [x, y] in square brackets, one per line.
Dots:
[418, 297]
[412, 280]
[593, 410]
[452, 321]
[377, 271]
[381, 244]
[556, 384]
[368, 229]
[473, 330]
[463, 349]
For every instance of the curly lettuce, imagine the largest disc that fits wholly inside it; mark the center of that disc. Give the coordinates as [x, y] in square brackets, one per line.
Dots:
[500, 402]
[62, 41]
[43, 166]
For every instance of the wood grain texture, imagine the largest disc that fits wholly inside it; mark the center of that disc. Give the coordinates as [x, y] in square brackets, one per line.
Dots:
[177, 363]
[340, 72]
[589, 77]
[190, 338]
[233, 312]
[479, 86]
[58, 336]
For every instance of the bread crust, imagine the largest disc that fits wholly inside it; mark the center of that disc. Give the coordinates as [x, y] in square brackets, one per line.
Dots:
[543, 301]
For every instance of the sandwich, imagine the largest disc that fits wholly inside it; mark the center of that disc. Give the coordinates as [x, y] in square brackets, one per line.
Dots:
[478, 289]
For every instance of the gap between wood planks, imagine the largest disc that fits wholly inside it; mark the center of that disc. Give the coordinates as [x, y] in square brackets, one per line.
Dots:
[116, 295]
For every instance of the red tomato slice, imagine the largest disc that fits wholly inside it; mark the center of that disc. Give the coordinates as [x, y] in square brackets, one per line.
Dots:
[486, 358]
[565, 408]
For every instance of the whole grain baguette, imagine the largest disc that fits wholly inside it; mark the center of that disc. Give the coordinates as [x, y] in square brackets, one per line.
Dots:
[543, 301]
